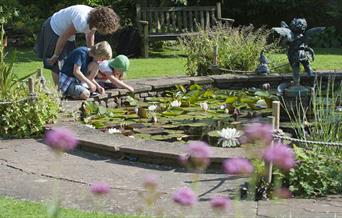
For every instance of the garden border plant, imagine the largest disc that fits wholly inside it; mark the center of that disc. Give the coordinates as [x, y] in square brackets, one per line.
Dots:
[23, 113]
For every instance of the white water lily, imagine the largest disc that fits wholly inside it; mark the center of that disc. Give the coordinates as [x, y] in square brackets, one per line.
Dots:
[222, 107]
[113, 131]
[204, 106]
[261, 104]
[176, 103]
[90, 126]
[229, 137]
[152, 108]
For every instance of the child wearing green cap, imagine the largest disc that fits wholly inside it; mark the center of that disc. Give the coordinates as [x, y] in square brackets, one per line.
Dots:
[113, 70]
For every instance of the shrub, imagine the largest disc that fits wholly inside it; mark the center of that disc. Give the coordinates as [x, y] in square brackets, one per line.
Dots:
[319, 169]
[238, 48]
[28, 117]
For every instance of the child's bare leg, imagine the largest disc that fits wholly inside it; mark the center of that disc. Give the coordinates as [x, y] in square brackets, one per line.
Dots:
[85, 95]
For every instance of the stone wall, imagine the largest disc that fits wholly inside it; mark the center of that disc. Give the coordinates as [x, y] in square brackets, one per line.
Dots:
[155, 87]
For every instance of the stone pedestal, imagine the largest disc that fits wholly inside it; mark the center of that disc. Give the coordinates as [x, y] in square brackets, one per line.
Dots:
[296, 102]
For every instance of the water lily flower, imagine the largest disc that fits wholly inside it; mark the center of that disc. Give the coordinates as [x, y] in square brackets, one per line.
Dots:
[152, 108]
[229, 137]
[176, 103]
[266, 86]
[90, 126]
[222, 107]
[204, 106]
[113, 131]
[261, 104]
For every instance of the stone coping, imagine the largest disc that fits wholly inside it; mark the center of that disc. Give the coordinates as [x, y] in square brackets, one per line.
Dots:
[220, 81]
[120, 146]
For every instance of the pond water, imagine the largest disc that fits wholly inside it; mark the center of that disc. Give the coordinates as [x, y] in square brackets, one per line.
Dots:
[196, 113]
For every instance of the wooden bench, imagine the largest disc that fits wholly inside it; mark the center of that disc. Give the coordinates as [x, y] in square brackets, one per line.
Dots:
[169, 23]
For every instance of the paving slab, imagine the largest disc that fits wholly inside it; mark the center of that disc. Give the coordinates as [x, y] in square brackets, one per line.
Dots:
[26, 169]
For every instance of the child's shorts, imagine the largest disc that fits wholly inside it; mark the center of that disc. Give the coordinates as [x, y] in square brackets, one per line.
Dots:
[75, 90]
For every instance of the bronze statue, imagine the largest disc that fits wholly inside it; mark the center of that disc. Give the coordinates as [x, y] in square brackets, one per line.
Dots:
[298, 51]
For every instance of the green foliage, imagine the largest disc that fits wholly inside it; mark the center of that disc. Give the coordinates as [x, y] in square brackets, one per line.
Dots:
[319, 168]
[238, 48]
[28, 117]
[329, 38]
[317, 173]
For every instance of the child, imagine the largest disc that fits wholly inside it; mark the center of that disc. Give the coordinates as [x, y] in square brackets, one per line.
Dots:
[113, 70]
[81, 67]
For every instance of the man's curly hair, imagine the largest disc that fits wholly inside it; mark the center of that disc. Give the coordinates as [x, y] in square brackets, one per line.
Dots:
[104, 19]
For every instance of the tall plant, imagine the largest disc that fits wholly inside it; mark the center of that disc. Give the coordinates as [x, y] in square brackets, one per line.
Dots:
[320, 167]
[8, 79]
[238, 48]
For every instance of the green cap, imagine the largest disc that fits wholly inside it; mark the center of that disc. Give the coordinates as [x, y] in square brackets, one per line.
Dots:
[120, 62]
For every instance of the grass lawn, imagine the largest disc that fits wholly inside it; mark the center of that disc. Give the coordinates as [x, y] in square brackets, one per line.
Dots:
[11, 208]
[170, 62]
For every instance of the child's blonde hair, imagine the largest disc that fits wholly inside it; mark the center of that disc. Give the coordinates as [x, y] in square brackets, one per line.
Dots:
[101, 49]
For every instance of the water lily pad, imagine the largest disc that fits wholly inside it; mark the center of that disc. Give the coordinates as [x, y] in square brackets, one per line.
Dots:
[151, 131]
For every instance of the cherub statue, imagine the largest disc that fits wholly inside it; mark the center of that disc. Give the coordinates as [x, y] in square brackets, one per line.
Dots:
[298, 51]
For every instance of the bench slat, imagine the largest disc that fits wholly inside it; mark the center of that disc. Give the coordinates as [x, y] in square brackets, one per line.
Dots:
[150, 24]
[179, 21]
[207, 19]
[191, 8]
[202, 19]
[185, 23]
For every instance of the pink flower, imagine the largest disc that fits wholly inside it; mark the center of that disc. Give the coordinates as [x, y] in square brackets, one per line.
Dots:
[61, 139]
[259, 131]
[220, 203]
[280, 155]
[183, 159]
[99, 188]
[237, 166]
[185, 197]
[200, 153]
[150, 182]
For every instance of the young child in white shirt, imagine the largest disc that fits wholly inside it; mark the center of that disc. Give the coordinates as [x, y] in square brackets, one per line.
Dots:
[114, 70]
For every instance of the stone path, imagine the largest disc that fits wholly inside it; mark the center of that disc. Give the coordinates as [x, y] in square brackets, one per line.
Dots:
[26, 172]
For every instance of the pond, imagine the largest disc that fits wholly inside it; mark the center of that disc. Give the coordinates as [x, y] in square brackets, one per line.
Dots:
[196, 113]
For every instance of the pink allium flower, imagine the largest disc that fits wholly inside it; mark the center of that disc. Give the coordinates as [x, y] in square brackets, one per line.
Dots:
[259, 131]
[237, 166]
[150, 182]
[283, 193]
[184, 197]
[220, 203]
[200, 153]
[61, 139]
[99, 188]
[183, 159]
[280, 155]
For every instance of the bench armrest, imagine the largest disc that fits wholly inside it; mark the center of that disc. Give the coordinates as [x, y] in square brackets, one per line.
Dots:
[227, 20]
[143, 22]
